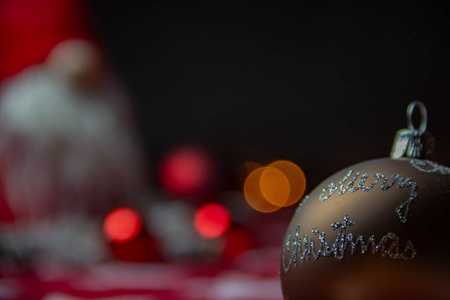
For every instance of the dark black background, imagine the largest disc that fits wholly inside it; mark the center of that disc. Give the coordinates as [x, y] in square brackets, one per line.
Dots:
[323, 84]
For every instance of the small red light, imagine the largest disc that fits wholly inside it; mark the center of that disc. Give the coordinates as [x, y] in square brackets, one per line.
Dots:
[186, 171]
[122, 225]
[212, 220]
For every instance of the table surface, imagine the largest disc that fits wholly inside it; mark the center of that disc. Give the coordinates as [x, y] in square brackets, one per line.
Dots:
[252, 276]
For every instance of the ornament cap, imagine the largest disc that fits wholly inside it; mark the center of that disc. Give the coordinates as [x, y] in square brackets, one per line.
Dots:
[413, 142]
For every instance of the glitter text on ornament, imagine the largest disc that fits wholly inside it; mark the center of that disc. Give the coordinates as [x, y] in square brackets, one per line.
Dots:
[402, 210]
[428, 166]
[303, 247]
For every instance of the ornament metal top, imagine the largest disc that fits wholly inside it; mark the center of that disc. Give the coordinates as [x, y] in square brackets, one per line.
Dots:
[412, 142]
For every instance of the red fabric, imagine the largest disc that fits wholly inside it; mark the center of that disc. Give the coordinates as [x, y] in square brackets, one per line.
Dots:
[169, 281]
[29, 29]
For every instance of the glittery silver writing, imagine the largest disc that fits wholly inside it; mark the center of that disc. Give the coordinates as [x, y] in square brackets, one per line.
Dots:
[303, 247]
[332, 187]
[342, 187]
[315, 231]
[342, 225]
[428, 166]
[302, 203]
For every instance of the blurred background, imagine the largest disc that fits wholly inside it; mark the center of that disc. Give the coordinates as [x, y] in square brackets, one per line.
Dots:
[323, 84]
[130, 132]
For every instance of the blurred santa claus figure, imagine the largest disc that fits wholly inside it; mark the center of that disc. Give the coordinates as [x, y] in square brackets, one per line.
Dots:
[67, 140]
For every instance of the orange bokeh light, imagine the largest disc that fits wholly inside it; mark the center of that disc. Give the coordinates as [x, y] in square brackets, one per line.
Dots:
[253, 194]
[280, 184]
[122, 225]
[212, 220]
[296, 178]
[274, 186]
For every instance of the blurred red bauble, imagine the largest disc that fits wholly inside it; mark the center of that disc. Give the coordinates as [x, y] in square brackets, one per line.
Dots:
[212, 220]
[187, 171]
[129, 241]
[122, 225]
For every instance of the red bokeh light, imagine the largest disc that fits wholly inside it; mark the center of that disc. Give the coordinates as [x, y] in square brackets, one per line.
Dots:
[187, 171]
[212, 220]
[122, 225]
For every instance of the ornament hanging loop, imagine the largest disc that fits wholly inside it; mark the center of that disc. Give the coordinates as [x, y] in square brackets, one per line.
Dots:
[423, 116]
[412, 142]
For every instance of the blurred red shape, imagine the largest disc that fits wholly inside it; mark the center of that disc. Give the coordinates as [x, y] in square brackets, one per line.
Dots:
[238, 241]
[187, 171]
[122, 224]
[212, 220]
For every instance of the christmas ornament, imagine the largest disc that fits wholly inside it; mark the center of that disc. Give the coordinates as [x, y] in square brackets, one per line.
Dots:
[122, 224]
[129, 239]
[212, 220]
[374, 230]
